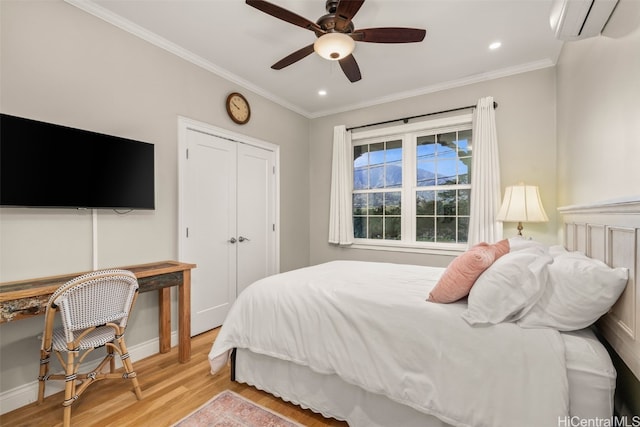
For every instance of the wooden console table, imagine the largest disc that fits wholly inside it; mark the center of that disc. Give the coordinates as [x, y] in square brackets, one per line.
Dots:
[28, 298]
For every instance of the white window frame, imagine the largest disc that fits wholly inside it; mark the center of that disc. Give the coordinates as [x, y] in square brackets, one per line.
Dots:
[408, 134]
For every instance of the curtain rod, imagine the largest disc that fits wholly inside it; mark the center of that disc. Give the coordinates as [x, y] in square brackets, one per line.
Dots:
[406, 119]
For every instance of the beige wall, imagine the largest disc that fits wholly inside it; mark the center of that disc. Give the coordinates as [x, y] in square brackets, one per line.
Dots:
[599, 112]
[62, 65]
[525, 121]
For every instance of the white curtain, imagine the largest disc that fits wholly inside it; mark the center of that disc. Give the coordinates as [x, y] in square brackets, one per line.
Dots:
[340, 219]
[485, 176]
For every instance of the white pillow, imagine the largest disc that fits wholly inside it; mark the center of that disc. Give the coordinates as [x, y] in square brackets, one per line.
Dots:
[517, 243]
[557, 250]
[509, 288]
[580, 290]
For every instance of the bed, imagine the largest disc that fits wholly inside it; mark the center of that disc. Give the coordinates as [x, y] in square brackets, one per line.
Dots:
[358, 341]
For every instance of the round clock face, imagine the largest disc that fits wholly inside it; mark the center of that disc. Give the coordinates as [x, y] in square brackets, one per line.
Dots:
[238, 108]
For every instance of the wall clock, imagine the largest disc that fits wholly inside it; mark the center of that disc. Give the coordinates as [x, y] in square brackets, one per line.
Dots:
[238, 108]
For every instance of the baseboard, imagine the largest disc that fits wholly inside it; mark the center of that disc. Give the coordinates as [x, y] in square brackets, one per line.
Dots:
[28, 393]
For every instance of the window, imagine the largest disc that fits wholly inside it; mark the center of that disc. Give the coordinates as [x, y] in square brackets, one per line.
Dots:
[377, 184]
[412, 185]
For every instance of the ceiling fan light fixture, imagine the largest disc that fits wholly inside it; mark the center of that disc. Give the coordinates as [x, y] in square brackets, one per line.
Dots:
[334, 46]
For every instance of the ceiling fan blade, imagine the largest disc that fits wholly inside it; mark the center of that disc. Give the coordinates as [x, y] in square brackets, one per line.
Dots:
[389, 35]
[294, 57]
[350, 68]
[285, 15]
[345, 12]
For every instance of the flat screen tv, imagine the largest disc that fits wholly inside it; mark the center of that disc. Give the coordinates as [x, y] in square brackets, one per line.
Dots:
[48, 165]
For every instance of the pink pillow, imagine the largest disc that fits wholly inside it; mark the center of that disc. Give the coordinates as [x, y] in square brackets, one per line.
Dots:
[501, 248]
[461, 274]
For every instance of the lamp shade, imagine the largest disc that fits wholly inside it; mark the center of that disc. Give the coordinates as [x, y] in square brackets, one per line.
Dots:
[334, 46]
[522, 204]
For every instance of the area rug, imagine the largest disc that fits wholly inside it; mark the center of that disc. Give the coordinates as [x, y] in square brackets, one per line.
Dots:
[229, 409]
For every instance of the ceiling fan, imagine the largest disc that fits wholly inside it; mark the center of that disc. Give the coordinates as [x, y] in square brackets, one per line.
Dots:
[336, 34]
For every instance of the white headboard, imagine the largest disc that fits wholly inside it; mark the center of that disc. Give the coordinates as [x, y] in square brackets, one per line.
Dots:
[610, 232]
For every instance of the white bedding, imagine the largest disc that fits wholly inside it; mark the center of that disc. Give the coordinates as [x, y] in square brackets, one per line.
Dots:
[369, 324]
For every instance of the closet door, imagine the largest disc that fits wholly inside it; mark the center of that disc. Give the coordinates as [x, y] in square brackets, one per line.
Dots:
[256, 215]
[209, 213]
[228, 211]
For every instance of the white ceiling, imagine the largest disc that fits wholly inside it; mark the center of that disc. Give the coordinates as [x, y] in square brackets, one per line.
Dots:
[240, 43]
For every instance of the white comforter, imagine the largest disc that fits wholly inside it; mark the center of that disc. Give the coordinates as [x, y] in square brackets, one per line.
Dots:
[369, 323]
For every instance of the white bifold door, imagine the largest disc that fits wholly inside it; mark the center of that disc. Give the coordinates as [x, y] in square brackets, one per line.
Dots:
[227, 219]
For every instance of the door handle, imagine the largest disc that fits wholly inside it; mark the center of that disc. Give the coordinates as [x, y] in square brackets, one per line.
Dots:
[242, 239]
[232, 240]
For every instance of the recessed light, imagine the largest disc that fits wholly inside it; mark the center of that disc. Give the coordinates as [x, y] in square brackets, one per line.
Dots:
[322, 92]
[495, 45]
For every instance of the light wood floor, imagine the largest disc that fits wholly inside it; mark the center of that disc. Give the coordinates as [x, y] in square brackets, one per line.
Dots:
[171, 391]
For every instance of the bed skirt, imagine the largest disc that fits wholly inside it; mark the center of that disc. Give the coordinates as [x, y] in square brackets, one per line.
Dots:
[590, 373]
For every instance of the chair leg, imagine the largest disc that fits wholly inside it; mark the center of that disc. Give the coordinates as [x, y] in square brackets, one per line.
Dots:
[44, 371]
[66, 416]
[128, 367]
[69, 388]
[112, 360]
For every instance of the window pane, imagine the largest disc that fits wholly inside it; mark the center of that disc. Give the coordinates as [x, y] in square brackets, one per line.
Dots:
[447, 144]
[361, 179]
[393, 160]
[446, 203]
[425, 202]
[376, 201]
[375, 228]
[376, 177]
[392, 228]
[464, 143]
[425, 229]
[392, 203]
[447, 172]
[464, 198]
[426, 147]
[394, 151]
[463, 229]
[360, 227]
[446, 227]
[359, 204]
[425, 160]
[393, 174]
[464, 167]
[376, 154]
[426, 173]
[360, 156]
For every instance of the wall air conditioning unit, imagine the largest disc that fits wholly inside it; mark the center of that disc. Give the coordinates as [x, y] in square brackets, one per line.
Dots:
[579, 19]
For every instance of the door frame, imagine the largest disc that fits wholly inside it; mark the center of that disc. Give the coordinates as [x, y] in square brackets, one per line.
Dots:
[185, 124]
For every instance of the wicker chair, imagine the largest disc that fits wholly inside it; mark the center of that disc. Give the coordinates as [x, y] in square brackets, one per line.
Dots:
[94, 309]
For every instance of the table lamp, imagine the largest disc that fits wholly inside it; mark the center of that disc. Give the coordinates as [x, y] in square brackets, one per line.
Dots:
[522, 204]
